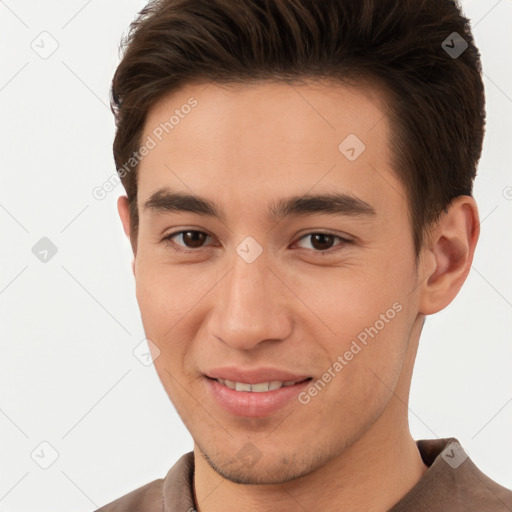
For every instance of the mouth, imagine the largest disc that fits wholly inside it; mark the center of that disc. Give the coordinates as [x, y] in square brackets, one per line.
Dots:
[257, 399]
[259, 387]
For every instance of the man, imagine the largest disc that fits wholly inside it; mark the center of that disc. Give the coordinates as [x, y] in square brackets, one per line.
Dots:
[299, 177]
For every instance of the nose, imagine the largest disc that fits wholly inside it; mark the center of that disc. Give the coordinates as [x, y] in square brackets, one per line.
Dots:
[252, 306]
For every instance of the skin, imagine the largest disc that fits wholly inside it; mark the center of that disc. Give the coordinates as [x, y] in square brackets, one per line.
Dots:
[292, 308]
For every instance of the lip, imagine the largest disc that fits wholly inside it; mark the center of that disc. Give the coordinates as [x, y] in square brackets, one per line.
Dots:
[254, 375]
[253, 404]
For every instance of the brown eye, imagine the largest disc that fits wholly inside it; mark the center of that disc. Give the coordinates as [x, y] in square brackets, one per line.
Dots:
[191, 239]
[323, 242]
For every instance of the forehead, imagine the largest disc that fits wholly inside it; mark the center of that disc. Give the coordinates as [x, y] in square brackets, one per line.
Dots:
[261, 139]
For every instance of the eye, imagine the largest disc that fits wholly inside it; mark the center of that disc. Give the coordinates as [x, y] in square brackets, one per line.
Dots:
[193, 240]
[323, 242]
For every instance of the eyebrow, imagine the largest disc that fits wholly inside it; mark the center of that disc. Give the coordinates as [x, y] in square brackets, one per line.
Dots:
[334, 203]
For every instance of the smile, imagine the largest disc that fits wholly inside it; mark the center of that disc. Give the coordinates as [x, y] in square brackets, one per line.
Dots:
[254, 400]
[259, 387]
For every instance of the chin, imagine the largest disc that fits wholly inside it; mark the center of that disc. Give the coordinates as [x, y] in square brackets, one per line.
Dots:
[278, 470]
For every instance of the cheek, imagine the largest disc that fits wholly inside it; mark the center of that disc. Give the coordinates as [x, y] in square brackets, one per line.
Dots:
[162, 308]
[366, 370]
[162, 295]
[371, 316]
[351, 301]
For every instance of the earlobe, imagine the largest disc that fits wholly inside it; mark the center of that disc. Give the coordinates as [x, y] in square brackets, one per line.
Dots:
[451, 247]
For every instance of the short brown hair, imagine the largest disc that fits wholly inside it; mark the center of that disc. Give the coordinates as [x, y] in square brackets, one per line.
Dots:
[436, 100]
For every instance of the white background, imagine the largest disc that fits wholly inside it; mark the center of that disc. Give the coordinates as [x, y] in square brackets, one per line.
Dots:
[69, 326]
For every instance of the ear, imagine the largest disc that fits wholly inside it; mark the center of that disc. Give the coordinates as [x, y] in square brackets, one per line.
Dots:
[123, 207]
[448, 254]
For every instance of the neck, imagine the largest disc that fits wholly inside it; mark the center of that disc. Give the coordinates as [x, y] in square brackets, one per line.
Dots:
[372, 475]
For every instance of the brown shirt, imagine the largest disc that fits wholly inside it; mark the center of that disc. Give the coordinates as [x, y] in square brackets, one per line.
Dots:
[452, 483]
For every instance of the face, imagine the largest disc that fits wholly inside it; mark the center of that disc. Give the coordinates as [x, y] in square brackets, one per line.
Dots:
[263, 283]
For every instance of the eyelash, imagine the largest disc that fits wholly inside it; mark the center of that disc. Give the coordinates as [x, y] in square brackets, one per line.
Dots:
[172, 245]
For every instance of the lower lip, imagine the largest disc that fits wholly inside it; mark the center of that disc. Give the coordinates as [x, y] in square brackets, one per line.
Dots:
[253, 404]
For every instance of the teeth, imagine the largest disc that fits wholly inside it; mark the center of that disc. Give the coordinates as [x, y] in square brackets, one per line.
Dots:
[263, 386]
[260, 387]
[229, 383]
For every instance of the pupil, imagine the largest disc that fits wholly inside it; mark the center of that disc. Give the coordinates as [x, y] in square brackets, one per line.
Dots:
[193, 236]
[322, 237]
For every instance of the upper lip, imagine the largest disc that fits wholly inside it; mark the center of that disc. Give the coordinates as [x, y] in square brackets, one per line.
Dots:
[254, 375]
